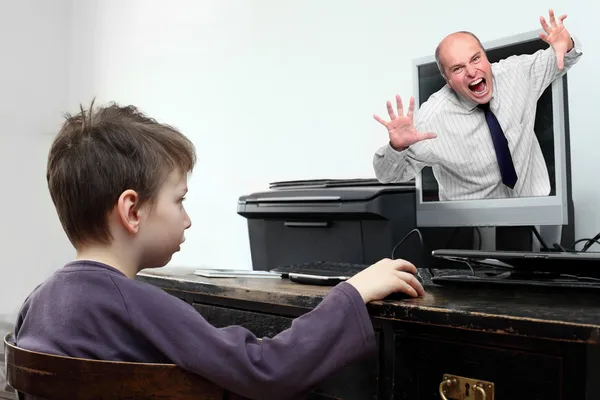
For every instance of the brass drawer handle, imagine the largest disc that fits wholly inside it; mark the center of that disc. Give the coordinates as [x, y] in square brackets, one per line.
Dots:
[481, 390]
[443, 387]
[455, 387]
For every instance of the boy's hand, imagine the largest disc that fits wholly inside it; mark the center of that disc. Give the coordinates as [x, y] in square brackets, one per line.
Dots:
[386, 277]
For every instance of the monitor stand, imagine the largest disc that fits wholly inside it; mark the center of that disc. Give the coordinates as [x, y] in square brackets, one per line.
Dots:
[519, 238]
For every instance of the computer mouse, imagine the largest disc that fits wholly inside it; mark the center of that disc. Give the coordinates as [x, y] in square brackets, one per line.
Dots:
[419, 277]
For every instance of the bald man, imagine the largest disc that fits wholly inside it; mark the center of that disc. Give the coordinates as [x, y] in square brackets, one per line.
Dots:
[477, 131]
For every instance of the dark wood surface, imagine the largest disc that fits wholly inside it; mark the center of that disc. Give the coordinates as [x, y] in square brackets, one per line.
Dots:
[531, 343]
[546, 313]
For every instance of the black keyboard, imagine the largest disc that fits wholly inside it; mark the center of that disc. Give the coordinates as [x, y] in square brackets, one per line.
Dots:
[321, 268]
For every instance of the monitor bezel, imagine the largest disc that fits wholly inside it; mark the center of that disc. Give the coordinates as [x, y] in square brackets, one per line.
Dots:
[525, 211]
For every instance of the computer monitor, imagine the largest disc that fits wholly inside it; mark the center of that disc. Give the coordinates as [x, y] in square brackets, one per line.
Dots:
[552, 131]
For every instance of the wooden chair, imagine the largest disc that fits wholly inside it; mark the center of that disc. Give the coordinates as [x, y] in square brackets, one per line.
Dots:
[58, 377]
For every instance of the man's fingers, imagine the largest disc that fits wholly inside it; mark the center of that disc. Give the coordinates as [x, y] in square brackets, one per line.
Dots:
[562, 18]
[411, 107]
[382, 122]
[544, 37]
[545, 25]
[428, 135]
[399, 106]
[552, 19]
[390, 110]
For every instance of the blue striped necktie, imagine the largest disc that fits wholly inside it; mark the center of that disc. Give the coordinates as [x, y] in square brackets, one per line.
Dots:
[505, 162]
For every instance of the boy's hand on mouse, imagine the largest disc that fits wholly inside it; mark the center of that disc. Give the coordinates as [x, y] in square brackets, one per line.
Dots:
[386, 277]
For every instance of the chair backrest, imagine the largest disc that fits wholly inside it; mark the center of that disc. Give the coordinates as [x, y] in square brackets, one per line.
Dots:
[58, 377]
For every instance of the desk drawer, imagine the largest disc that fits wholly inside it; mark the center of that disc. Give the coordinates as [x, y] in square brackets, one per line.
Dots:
[420, 363]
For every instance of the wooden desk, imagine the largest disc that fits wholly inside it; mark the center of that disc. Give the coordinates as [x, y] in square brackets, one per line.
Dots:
[532, 344]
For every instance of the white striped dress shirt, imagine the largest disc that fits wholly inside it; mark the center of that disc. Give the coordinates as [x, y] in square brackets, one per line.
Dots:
[462, 156]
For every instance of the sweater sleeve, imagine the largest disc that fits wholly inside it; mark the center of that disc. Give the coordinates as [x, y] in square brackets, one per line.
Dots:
[337, 332]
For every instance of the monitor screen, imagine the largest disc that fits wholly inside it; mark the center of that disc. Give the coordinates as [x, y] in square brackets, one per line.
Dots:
[551, 131]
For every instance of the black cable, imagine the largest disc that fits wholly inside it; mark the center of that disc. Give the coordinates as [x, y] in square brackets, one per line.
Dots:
[404, 238]
[418, 232]
[560, 248]
[591, 242]
[575, 243]
[469, 265]
[539, 238]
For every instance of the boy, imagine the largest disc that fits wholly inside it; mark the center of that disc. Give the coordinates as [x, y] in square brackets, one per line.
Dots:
[118, 180]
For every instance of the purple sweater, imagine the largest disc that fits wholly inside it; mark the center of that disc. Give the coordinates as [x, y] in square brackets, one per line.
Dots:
[91, 310]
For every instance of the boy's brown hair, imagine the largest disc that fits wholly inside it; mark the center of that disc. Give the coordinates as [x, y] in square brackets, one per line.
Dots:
[100, 153]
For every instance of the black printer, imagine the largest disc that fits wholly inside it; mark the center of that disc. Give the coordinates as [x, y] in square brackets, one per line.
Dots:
[350, 221]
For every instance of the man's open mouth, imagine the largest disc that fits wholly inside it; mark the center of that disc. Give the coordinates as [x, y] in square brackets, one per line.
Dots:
[478, 87]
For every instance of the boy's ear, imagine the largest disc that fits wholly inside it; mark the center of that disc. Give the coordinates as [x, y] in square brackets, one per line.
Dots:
[128, 210]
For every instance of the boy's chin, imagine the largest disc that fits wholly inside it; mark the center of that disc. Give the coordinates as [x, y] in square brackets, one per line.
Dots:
[158, 263]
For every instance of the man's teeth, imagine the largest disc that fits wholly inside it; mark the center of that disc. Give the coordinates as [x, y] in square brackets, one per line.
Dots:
[475, 82]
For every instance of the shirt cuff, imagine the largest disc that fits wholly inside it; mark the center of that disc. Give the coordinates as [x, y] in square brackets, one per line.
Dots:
[394, 155]
[576, 50]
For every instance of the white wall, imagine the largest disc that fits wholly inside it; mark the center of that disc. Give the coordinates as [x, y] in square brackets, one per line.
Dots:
[34, 45]
[268, 90]
[272, 89]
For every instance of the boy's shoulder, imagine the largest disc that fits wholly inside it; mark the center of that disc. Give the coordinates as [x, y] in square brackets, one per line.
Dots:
[96, 273]
[84, 301]
[90, 284]
[88, 289]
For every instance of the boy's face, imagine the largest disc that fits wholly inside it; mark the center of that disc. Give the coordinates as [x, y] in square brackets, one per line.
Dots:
[162, 230]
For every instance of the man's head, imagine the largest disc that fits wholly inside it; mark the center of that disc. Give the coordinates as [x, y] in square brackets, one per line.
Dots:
[463, 63]
[119, 177]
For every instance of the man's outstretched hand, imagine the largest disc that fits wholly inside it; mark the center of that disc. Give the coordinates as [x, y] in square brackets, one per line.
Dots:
[557, 36]
[401, 129]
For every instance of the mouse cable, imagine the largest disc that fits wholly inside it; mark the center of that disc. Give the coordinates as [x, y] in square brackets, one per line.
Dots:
[418, 232]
